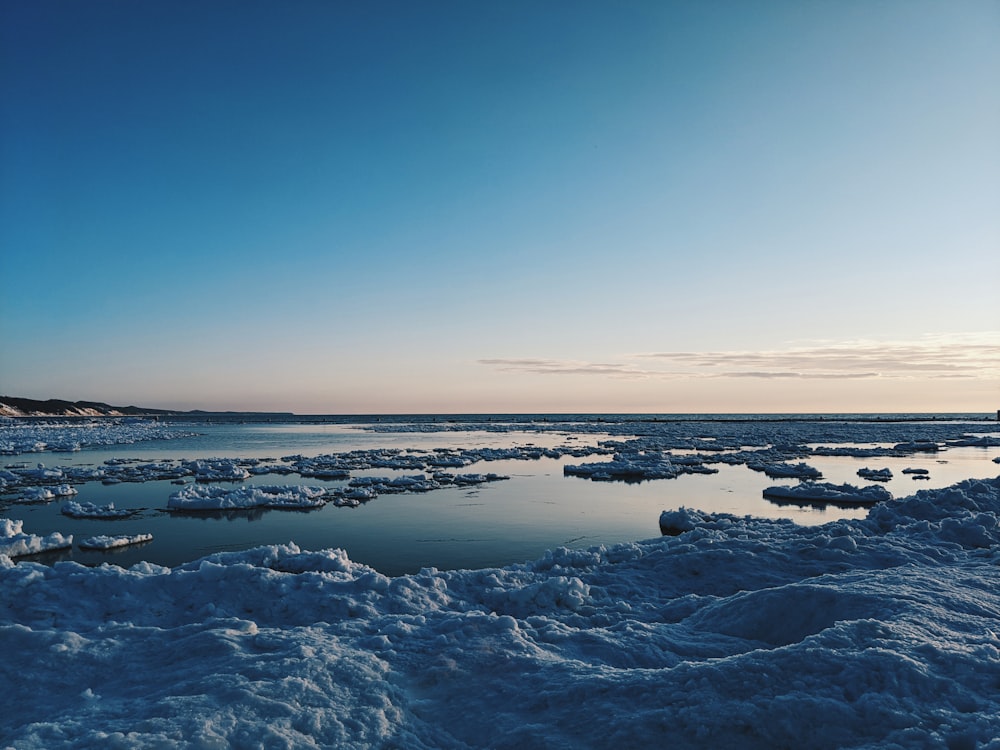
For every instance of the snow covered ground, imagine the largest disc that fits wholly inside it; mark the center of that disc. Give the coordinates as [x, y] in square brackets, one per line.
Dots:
[733, 633]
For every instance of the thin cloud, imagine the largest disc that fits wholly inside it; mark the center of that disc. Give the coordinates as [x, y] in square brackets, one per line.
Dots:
[565, 367]
[933, 356]
[955, 356]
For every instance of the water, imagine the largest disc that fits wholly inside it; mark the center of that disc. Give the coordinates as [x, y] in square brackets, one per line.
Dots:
[499, 523]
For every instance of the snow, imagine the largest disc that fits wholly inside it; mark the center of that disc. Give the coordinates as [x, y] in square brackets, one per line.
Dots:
[90, 510]
[211, 498]
[19, 436]
[637, 465]
[15, 543]
[787, 471]
[113, 542]
[732, 632]
[875, 475]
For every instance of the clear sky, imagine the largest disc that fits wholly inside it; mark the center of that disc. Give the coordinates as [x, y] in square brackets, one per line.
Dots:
[356, 207]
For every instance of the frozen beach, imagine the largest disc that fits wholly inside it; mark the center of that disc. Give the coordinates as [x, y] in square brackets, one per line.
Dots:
[873, 625]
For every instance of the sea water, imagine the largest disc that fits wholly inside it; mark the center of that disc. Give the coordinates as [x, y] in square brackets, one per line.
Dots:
[494, 524]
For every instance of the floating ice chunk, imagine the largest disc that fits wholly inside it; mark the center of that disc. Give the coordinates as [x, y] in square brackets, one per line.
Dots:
[915, 471]
[64, 490]
[112, 542]
[443, 477]
[15, 543]
[635, 466]
[36, 495]
[787, 471]
[200, 498]
[218, 470]
[674, 522]
[90, 510]
[875, 475]
[985, 441]
[918, 446]
[824, 492]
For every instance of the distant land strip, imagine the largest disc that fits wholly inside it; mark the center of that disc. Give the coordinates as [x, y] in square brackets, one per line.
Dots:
[13, 406]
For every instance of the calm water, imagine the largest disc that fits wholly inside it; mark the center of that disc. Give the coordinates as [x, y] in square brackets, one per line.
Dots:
[494, 524]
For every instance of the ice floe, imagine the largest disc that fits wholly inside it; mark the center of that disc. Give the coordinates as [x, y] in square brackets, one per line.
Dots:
[824, 492]
[15, 543]
[732, 633]
[786, 471]
[74, 509]
[875, 475]
[113, 542]
[212, 498]
[636, 466]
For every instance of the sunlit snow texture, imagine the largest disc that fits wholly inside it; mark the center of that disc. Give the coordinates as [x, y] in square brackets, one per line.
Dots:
[734, 633]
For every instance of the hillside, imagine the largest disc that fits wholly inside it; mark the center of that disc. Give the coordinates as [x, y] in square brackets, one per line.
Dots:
[11, 406]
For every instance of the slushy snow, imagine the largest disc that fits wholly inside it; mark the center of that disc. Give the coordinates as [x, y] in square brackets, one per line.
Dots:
[730, 633]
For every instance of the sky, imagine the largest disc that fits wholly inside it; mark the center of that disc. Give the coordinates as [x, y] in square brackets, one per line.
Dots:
[455, 207]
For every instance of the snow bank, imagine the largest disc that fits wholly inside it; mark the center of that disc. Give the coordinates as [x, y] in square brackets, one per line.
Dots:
[735, 633]
[15, 543]
[202, 498]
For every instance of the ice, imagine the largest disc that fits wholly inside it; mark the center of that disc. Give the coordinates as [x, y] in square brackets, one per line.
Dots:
[787, 471]
[20, 436]
[636, 465]
[113, 542]
[733, 633]
[15, 543]
[90, 510]
[218, 470]
[875, 475]
[211, 498]
[824, 492]
[36, 495]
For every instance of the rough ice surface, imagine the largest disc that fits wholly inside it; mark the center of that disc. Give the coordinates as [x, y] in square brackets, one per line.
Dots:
[90, 510]
[19, 436]
[15, 543]
[733, 633]
[638, 465]
[875, 475]
[211, 498]
[824, 492]
[787, 471]
[113, 542]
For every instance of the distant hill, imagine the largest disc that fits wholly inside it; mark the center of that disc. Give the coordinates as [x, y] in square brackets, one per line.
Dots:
[11, 406]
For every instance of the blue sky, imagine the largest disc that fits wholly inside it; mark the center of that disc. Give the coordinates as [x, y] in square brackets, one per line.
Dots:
[519, 206]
